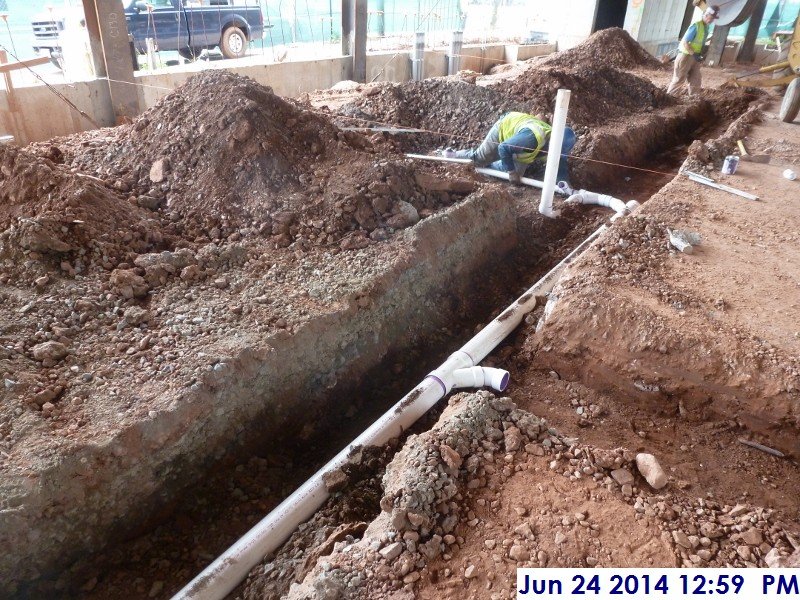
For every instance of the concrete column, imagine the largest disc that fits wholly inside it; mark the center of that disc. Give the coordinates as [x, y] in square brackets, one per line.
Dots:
[747, 49]
[117, 56]
[454, 60]
[360, 41]
[95, 43]
[714, 53]
[418, 58]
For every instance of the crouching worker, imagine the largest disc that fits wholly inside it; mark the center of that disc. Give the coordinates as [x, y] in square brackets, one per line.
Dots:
[515, 143]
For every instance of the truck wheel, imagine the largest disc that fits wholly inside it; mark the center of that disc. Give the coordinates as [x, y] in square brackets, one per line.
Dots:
[233, 43]
[791, 102]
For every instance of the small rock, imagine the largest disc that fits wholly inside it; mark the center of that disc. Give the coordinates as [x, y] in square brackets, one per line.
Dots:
[752, 537]
[622, 476]
[650, 469]
[737, 511]
[451, 458]
[158, 170]
[513, 439]
[681, 539]
[392, 551]
[335, 481]
[560, 538]
[52, 351]
[744, 552]
[519, 553]
[471, 572]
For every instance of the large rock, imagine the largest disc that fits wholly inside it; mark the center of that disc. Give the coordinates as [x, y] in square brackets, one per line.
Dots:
[650, 469]
[405, 215]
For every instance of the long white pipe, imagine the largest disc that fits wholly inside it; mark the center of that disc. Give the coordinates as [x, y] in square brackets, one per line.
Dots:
[227, 571]
[554, 155]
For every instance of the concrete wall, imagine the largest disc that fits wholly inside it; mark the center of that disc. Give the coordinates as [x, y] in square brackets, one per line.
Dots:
[655, 24]
[574, 23]
[287, 79]
[516, 53]
[33, 113]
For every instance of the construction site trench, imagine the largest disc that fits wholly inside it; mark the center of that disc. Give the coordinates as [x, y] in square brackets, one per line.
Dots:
[209, 303]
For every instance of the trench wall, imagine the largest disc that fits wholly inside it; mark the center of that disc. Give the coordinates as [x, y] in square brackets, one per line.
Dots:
[34, 113]
[271, 388]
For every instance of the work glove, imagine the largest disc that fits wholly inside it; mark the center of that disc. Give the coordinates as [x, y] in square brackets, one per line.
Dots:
[699, 57]
[514, 178]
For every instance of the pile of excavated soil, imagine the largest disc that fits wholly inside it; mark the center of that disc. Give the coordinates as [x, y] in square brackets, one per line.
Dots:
[444, 105]
[600, 93]
[491, 488]
[223, 156]
[463, 112]
[613, 47]
[48, 212]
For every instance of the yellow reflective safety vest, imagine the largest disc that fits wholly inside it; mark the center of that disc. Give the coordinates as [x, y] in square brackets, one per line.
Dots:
[699, 38]
[513, 122]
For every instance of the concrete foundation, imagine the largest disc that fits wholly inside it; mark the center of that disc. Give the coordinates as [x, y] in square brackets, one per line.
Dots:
[80, 501]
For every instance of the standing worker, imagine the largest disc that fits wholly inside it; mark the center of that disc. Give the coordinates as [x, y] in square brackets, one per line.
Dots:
[514, 143]
[690, 55]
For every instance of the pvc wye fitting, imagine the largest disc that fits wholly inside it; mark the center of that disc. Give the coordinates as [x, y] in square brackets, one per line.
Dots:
[476, 377]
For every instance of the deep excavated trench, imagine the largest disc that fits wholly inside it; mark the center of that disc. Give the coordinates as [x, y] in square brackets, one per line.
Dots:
[169, 546]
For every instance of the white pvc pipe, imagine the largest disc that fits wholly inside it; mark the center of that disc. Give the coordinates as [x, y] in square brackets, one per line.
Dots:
[554, 154]
[227, 571]
[504, 175]
[620, 207]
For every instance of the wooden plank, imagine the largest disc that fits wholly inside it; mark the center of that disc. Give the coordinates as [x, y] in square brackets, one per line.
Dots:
[23, 64]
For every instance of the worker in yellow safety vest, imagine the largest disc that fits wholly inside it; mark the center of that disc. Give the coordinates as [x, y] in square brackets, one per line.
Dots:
[513, 143]
[690, 53]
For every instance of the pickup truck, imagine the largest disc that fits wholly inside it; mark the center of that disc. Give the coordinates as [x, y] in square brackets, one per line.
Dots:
[189, 27]
[186, 26]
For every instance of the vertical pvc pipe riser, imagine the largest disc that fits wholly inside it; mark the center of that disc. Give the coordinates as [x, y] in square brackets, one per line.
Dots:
[417, 62]
[554, 154]
[454, 60]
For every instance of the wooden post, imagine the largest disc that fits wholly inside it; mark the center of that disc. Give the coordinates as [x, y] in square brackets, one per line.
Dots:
[117, 56]
[95, 43]
[717, 46]
[747, 49]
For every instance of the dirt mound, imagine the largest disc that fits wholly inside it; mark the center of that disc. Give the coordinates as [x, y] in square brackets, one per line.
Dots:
[223, 155]
[47, 210]
[613, 47]
[599, 93]
[445, 105]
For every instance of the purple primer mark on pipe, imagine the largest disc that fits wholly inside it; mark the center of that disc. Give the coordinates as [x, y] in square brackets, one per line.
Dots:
[441, 383]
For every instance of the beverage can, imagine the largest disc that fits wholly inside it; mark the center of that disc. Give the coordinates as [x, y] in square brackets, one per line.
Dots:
[730, 164]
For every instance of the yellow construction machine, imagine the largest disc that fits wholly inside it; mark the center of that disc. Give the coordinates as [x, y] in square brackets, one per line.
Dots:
[785, 72]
